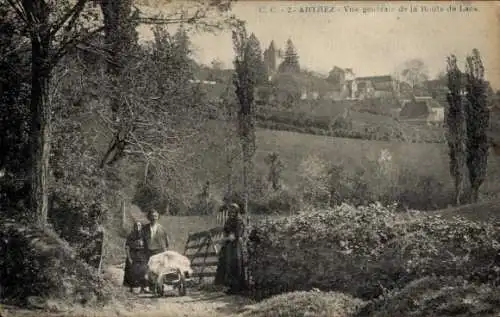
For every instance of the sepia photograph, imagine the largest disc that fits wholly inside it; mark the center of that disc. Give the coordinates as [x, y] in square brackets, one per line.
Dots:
[240, 158]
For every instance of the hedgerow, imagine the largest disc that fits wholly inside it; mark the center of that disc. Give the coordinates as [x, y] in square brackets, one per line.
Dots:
[368, 251]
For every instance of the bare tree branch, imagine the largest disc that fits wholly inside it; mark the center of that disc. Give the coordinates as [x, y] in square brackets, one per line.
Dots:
[73, 42]
[71, 16]
[18, 8]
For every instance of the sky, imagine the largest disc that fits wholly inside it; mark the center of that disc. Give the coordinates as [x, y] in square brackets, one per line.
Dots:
[371, 43]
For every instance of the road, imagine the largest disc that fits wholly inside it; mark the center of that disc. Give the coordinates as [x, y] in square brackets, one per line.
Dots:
[196, 304]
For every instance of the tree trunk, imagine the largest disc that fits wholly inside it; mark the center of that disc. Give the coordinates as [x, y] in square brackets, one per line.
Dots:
[229, 161]
[146, 170]
[118, 38]
[474, 197]
[40, 129]
[246, 190]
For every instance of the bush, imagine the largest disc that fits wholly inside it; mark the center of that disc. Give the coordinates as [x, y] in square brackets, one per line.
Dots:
[35, 263]
[280, 201]
[366, 251]
[298, 304]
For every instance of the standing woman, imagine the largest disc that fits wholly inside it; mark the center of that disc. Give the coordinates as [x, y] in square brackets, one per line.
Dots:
[137, 259]
[230, 269]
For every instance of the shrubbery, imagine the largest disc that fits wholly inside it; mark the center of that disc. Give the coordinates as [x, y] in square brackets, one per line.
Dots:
[276, 202]
[368, 251]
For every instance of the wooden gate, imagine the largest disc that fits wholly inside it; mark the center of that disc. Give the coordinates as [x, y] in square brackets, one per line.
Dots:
[202, 249]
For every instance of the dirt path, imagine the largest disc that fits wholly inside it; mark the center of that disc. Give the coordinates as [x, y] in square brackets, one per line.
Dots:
[195, 304]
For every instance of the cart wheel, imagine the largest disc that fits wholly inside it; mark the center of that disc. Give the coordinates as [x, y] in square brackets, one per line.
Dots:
[153, 288]
[182, 286]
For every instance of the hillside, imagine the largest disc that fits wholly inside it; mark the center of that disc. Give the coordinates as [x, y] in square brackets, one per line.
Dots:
[205, 159]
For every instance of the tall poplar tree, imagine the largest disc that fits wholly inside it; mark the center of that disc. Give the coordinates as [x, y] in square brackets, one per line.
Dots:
[477, 122]
[291, 59]
[245, 81]
[455, 123]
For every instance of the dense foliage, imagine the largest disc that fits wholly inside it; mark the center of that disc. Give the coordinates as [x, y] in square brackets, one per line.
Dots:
[14, 113]
[319, 249]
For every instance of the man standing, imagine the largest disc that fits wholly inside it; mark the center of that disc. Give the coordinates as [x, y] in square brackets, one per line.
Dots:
[155, 236]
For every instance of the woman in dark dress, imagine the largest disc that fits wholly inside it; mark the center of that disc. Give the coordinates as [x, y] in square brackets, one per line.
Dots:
[137, 259]
[230, 269]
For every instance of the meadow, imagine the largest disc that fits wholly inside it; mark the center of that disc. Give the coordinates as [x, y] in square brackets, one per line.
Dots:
[299, 152]
[343, 120]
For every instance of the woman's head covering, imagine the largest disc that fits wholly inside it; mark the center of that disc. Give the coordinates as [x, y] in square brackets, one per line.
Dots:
[233, 209]
[137, 225]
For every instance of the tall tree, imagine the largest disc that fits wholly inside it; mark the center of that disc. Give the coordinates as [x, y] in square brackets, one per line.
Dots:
[172, 56]
[414, 73]
[275, 169]
[120, 22]
[182, 49]
[477, 122]
[53, 29]
[456, 126]
[245, 81]
[270, 58]
[259, 67]
[120, 33]
[291, 59]
[230, 110]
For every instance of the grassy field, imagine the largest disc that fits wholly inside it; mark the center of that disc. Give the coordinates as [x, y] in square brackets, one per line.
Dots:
[296, 148]
[206, 155]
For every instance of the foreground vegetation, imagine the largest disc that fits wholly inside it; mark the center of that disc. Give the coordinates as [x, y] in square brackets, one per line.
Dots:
[407, 263]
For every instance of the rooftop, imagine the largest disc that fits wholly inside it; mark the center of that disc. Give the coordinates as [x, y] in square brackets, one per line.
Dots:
[376, 78]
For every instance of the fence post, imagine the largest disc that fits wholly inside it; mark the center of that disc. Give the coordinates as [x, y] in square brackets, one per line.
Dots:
[124, 215]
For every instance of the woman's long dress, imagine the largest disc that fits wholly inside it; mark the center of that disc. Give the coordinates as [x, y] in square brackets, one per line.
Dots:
[230, 269]
[135, 272]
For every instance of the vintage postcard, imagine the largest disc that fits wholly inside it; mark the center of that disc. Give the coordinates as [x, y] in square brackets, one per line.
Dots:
[249, 158]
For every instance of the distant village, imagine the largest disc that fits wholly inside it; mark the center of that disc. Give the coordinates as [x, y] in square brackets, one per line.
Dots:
[421, 103]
